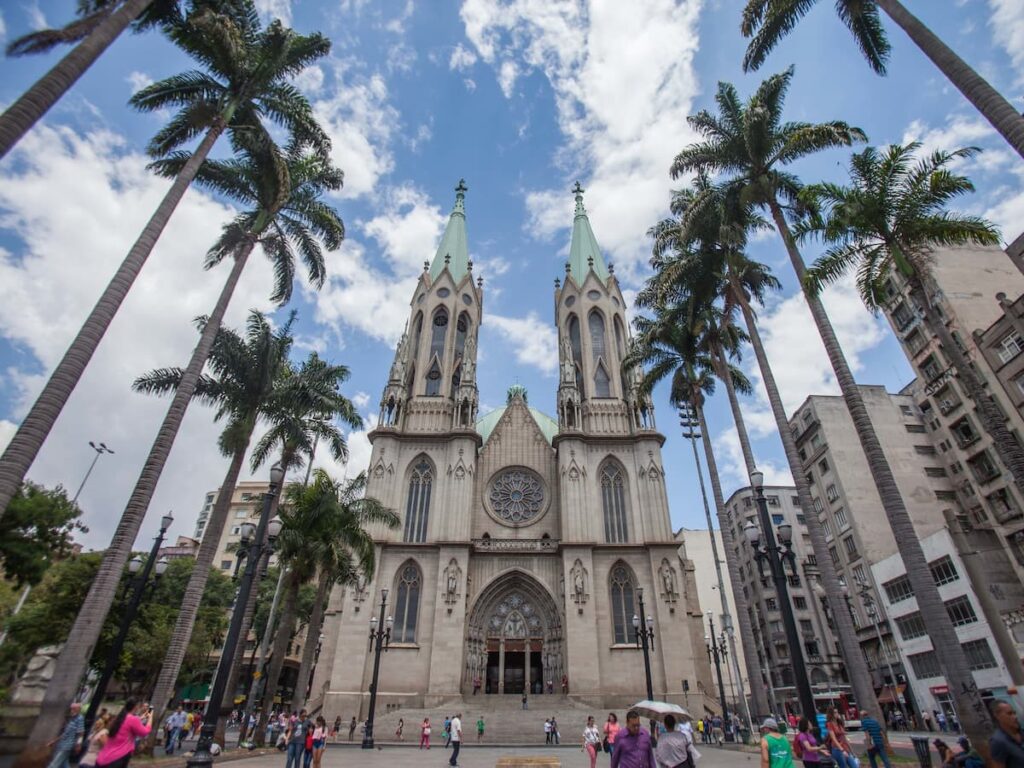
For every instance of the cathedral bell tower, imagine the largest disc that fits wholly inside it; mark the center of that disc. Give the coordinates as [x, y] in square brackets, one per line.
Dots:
[432, 383]
[594, 395]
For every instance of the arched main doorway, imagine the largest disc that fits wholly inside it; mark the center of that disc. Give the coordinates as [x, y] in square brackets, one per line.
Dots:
[514, 637]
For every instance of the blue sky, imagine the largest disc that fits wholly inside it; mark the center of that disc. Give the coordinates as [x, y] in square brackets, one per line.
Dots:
[521, 98]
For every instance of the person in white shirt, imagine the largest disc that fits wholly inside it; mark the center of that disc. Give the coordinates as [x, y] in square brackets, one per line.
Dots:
[456, 727]
[591, 741]
[673, 749]
[547, 731]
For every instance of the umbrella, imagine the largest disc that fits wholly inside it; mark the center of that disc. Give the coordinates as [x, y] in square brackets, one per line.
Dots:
[656, 710]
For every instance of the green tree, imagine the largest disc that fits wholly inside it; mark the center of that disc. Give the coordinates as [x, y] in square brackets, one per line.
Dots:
[766, 22]
[37, 529]
[244, 85]
[750, 146]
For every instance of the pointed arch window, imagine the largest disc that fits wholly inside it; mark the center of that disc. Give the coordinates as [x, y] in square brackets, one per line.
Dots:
[620, 339]
[438, 333]
[417, 506]
[407, 604]
[417, 333]
[613, 501]
[434, 379]
[461, 330]
[622, 601]
[602, 383]
[595, 323]
[577, 350]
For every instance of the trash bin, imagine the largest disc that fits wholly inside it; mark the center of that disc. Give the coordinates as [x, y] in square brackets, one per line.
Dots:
[921, 749]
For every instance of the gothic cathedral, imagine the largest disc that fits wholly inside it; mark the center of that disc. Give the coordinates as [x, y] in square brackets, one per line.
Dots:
[527, 542]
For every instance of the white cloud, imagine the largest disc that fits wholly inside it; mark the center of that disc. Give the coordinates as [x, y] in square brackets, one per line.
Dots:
[276, 9]
[470, 84]
[461, 59]
[361, 399]
[1007, 23]
[74, 235]
[624, 83]
[733, 468]
[310, 79]
[361, 123]
[407, 229]
[138, 81]
[533, 340]
[958, 132]
[36, 18]
[3, 28]
[423, 135]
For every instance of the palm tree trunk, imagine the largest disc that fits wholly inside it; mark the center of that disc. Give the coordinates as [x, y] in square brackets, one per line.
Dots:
[755, 675]
[853, 657]
[164, 692]
[976, 89]
[316, 620]
[72, 662]
[1009, 449]
[24, 113]
[970, 708]
[285, 630]
[722, 369]
[31, 434]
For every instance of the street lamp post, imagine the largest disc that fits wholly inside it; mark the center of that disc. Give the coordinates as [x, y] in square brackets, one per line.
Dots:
[267, 531]
[100, 449]
[717, 654]
[140, 572]
[380, 639]
[774, 553]
[644, 639]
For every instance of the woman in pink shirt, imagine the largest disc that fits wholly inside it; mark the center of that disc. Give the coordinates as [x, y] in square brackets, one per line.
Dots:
[126, 728]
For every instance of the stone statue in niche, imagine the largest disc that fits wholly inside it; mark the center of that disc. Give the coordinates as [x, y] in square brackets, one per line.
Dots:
[452, 579]
[469, 361]
[668, 583]
[578, 579]
[359, 591]
[568, 364]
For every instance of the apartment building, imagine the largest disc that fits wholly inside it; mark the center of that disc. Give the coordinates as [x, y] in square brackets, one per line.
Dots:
[695, 543]
[821, 652]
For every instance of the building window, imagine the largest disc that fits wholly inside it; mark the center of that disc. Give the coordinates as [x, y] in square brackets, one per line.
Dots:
[943, 570]
[834, 553]
[964, 432]
[931, 368]
[801, 520]
[902, 316]
[602, 383]
[773, 501]
[815, 441]
[826, 526]
[818, 506]
[924, 450]
[1019, 382]
[777, 519]
[438, 333]
[236, 530]
[622, 605]
[812, 560]
[859, 576]
[841, 521]
[898, 589]
[983, 468]
[979, 655]
[945, 495]
[595, 323]
[831, 493]
[925, 664]
[915, 429]
[800, 603]
[417, 507]
[407, 604]
[911, 626]
[823, 466]
[771, 604]
[577, 350]
[960, 611]
[613, 499]
[1009, 347]
[225, 565]
[935, 471]
[241, 514]
[851, 547]
[1003, 505]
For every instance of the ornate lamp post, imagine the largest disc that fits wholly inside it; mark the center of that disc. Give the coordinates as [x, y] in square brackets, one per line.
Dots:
[775, 553]
[265, 534]
[140, 575]
[864, 590]
[717, 653]
[644, 639]
[379, 641]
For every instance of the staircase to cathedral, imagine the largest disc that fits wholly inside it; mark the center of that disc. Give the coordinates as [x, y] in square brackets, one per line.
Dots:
[505, 720]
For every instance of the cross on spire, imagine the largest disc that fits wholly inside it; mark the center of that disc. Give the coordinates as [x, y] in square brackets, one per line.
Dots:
[462, 188]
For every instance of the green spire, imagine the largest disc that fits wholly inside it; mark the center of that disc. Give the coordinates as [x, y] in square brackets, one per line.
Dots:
[453, 249]
[516, 390]
[584, 252]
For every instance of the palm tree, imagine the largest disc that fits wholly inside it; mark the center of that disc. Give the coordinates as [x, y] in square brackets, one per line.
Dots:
[704, 220]
[749, 144]
[766, 22]
[245, 83]
[346, 535]
[665, 348]
[100, 22]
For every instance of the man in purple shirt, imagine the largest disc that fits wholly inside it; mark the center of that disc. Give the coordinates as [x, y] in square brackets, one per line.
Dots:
[633, 745]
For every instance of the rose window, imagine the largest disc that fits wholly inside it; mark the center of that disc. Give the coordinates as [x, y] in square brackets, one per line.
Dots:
[516, 495]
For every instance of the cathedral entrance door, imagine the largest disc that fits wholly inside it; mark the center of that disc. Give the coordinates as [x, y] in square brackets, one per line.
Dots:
[515, 669]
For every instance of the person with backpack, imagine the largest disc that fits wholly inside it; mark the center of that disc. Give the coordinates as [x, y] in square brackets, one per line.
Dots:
[805, 746]
[775, 749]
[446, 734]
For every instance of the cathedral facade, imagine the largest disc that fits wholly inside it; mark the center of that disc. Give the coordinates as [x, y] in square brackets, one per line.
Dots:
[527, 542]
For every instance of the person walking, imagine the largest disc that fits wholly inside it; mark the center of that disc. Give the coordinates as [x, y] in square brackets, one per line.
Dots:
[591, 741]
[716, 730]
[775, 749]
[874, 740]
[70, 738]
[425, 733]
[352, 728]
[295, 739]
[456, 738]
[633, 745]
[556, 737]
[838, 745]
[940, 719]
[926, 716]
[1006, 746]
[674, 746]
[611, 732]
[479, 729]
[524, 701]
[124, 730]
[319, 741]
[398, 730]
[336, 728]
[97, 739]
[476, 685]
[806, 746]
[172, 730]
[547, 731]
[446, 733]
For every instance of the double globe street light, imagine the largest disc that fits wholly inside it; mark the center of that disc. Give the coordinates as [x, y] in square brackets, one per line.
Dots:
[644, 639]
[256, 541]
[717, 654]
[380, 639]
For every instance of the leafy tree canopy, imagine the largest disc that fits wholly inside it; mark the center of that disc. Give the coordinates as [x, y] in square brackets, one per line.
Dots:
[37, 528]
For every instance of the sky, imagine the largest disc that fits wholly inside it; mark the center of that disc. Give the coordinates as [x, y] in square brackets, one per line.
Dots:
[519, 97]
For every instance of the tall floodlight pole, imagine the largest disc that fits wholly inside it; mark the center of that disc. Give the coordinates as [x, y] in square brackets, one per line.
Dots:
[100, 449]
